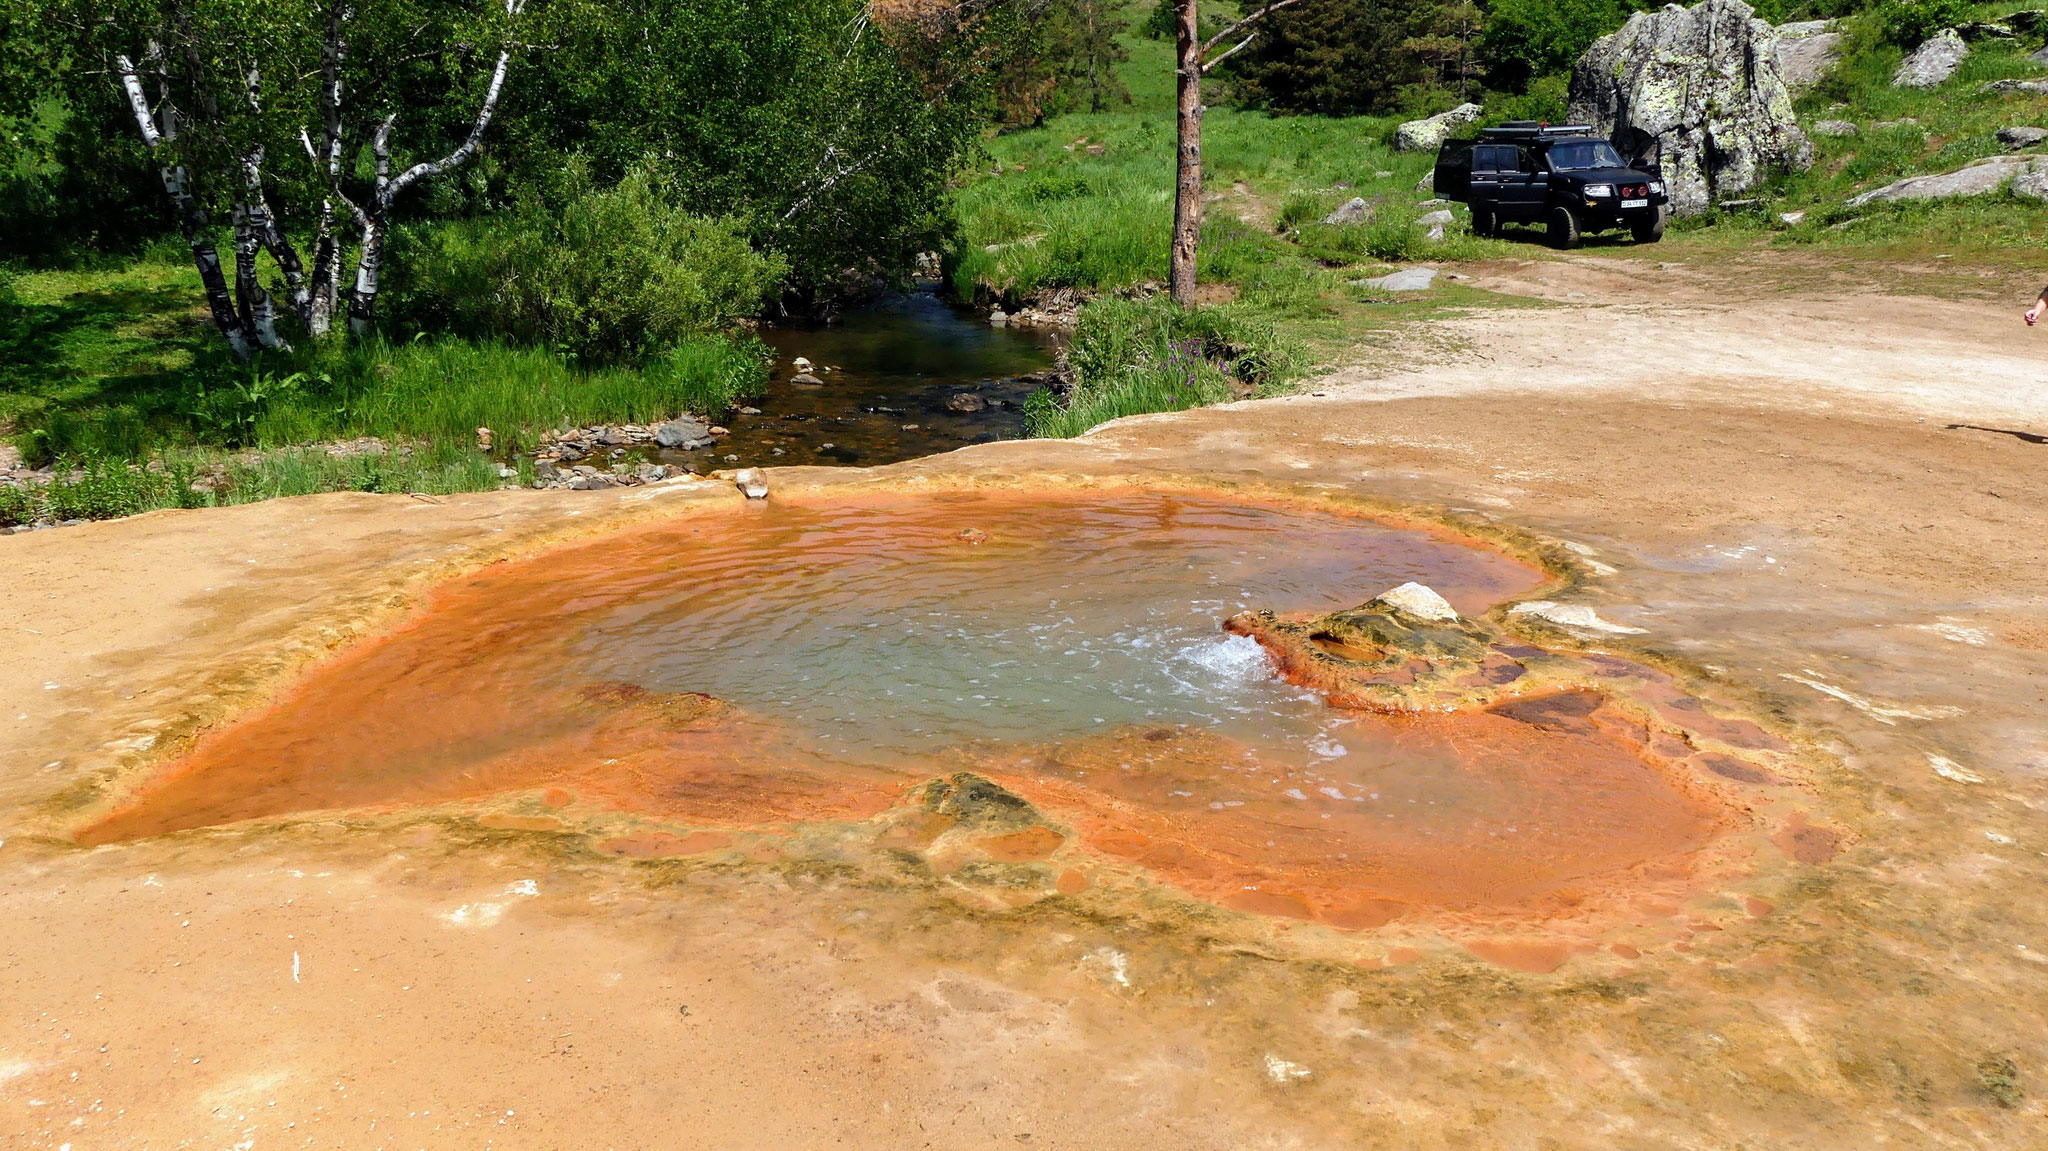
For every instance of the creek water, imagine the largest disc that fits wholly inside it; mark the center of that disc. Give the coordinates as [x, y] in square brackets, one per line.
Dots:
[794, 661]
[888, 370]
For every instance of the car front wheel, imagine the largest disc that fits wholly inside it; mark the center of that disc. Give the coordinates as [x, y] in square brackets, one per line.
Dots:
[1651, 230]
[1564, 228]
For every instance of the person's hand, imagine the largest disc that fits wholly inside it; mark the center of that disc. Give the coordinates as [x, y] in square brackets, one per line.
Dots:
[2034, 313]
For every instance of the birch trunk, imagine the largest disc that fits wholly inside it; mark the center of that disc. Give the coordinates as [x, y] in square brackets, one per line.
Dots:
[190, 213]
[362, 299]
[253, 305]
[1187, 189]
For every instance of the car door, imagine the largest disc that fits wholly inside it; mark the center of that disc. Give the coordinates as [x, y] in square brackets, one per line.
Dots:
[1524, 194]
[1492, 166]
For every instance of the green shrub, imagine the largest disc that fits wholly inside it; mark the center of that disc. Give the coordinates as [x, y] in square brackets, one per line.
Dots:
[1908, 22]
[18, 505]
[614, 275]
[1135, 356]
[100, 488]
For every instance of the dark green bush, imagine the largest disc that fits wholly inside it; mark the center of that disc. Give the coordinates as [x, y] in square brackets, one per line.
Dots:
[613, 275]
[17, 505]
[100, 488]
[1134, 356]
[1908, 22]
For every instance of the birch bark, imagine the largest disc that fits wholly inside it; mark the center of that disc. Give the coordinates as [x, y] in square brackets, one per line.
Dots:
[190, 213]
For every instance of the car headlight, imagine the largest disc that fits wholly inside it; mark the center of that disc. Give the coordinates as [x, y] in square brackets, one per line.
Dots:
[1599, 189]
[1657, 186]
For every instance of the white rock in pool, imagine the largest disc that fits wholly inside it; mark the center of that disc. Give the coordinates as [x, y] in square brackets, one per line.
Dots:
[1572, 615]
[752, 481]
[1413, 599]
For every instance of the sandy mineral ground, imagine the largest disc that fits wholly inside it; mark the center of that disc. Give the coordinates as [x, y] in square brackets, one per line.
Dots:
[1822, 502]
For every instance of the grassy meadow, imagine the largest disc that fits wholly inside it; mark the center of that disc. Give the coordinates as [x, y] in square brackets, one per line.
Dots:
[111, 369]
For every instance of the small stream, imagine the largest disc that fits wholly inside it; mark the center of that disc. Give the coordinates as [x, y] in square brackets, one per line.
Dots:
[889, 372]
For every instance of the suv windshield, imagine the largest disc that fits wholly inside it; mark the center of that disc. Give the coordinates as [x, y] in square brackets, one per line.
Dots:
[1583, 154]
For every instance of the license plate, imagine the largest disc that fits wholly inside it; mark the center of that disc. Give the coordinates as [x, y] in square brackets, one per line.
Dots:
[1635, 203]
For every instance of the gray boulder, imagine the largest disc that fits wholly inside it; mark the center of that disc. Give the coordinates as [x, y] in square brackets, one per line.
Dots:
[1405, 280]
[2032, 87]
[1978, 178]
[1436, 222]
[1806, 51]
[1429, 135]
[684, 435]
[1699, 91]
[1352, 211]
[2022, 137]
[1934, 61]
[1833, 128]
[2029, 22]
[2031, 183]
[1976, 30]
[2040, 57]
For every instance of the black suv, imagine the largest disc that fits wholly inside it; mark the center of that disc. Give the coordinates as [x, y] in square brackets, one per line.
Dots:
[1565, 178]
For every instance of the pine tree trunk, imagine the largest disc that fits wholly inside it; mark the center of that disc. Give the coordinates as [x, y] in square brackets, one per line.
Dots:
[1187, 197]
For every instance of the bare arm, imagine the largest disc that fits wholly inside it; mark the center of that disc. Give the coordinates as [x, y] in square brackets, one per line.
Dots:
[2040, 306]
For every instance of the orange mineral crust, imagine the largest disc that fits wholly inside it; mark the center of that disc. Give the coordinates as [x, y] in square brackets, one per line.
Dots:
[789, 664]
[1481, 812]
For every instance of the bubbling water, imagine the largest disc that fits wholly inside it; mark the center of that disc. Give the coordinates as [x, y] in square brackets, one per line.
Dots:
[813, 659]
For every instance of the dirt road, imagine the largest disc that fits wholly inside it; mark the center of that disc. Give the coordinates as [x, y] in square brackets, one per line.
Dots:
[1829, 505]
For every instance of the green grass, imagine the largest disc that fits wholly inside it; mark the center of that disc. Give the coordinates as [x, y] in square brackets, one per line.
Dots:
[123, 364]
[101, 487]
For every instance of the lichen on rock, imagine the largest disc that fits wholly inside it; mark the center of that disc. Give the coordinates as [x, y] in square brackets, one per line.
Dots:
[1700, 91]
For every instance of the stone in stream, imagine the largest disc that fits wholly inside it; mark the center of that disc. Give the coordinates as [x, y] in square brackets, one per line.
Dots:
[1352, 211]
[1935, 60]
[1697, 90]
[966, 402]
[806, 380]
[752, 481]
[686, 435]
[1429, 135]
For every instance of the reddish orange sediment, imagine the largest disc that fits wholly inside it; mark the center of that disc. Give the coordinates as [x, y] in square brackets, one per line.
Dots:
[1548, 801]
[1539, 819]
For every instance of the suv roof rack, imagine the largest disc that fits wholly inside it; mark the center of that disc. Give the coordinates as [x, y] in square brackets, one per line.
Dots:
[1524, 128]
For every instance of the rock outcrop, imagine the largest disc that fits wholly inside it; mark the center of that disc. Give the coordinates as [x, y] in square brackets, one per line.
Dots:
[1806, 51]
[2022, 136]
[1834, 128]
[1934, 61]
[1352, 211]
[1699, 91]
[1976, 179]
[1429, 135]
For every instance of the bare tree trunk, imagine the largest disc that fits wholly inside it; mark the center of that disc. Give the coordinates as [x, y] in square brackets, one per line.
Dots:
[1187, 190]
[190, 213]
[1193, 54]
